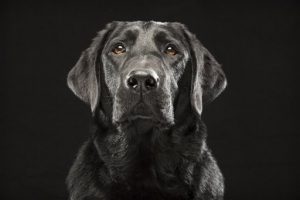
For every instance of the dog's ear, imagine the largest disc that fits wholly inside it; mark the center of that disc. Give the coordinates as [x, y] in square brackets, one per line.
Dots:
[208, 78]
[84, 77]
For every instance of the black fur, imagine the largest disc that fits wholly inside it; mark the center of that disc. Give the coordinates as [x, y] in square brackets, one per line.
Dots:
[144, 159]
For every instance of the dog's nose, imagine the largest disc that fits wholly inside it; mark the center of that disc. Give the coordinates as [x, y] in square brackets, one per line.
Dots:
[142, 80]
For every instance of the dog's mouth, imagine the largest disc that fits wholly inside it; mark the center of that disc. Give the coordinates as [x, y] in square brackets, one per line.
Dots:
[141, 111]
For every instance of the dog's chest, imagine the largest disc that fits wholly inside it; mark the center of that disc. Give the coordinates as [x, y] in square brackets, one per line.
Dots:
[147, 189]
[148, 171]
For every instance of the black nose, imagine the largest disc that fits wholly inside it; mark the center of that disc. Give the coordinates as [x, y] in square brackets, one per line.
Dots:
[142, 81]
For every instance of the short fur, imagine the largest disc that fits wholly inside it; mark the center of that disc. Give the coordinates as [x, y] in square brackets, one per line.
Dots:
[162, 158]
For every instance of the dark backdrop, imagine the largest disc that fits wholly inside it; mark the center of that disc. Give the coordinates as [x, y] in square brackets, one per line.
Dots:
[252, 125]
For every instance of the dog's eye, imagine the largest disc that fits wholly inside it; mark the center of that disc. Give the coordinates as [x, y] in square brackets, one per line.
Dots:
[170, 50]
[119, 49]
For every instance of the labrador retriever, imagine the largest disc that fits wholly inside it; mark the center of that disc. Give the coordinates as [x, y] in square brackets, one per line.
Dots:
[146, 84]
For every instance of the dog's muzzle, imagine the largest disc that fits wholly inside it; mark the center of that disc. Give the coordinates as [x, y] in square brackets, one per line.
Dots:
[141, 93]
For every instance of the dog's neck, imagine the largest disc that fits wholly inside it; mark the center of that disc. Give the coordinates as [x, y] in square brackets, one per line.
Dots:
[141, 147]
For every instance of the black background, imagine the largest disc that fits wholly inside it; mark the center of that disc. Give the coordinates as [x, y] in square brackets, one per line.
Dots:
[252, 125]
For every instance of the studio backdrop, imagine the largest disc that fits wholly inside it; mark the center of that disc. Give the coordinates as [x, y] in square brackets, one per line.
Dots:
[252, 125]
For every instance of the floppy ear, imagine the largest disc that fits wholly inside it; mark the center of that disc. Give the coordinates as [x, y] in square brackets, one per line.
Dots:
[84, 78]
[208, 78]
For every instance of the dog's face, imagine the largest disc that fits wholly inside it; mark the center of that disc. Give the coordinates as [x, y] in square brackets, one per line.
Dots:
[141, 65]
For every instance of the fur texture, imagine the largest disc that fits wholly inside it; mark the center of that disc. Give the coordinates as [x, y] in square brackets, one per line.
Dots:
[165, 156]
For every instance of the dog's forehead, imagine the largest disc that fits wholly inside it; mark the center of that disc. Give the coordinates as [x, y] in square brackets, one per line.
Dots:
[145, 26]
[145, 31]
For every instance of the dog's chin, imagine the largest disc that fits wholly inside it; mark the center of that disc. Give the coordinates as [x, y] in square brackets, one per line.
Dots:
[142, 113]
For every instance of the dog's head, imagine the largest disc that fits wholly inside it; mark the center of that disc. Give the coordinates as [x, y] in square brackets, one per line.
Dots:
[139, 70]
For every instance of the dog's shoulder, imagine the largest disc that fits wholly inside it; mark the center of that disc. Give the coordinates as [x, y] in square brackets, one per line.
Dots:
[83, 177]
[211, 183]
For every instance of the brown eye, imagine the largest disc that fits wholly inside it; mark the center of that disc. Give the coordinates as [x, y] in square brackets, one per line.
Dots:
[119, 49]
[170, 50]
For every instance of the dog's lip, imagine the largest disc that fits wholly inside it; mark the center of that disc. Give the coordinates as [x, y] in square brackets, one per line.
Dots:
[132, 118]
[140, 111]
[139, 116]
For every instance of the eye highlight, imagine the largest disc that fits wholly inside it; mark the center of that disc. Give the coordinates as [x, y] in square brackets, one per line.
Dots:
[170, 50]
[119, 49]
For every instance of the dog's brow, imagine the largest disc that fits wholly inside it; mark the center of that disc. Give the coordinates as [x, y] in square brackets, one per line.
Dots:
[163, 37]
[127, 36]
[131, 35]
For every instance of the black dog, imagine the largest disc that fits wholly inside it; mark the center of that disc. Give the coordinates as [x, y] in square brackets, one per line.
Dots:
[146, 83]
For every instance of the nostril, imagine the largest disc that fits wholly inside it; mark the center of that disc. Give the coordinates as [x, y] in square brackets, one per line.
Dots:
[132, 82]
[150, 83]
